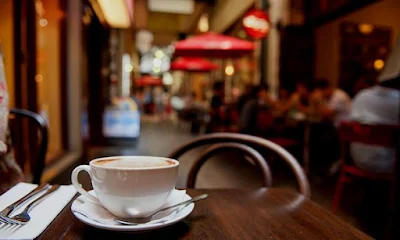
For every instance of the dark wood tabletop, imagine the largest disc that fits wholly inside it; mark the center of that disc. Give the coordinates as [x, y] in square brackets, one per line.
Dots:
[229, 214]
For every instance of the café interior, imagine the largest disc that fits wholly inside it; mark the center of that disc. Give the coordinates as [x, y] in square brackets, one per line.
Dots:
[280, 117]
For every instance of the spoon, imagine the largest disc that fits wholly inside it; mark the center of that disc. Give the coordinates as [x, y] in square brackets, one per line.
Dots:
[141, 220]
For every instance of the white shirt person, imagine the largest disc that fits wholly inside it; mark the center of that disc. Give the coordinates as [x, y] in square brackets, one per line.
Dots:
[375, 105]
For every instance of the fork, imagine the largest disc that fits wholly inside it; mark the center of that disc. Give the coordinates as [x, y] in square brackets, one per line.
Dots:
[24, 217]
[10, 209]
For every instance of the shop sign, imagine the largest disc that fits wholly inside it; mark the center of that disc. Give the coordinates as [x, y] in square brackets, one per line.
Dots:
[256, 24]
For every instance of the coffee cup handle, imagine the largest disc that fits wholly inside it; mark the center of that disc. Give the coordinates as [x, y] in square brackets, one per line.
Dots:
[78, 186]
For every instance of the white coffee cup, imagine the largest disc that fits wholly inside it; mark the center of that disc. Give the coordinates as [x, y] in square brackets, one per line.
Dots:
[129, 186]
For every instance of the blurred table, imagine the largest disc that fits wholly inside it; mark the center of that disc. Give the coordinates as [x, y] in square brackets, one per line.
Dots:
[229, 214]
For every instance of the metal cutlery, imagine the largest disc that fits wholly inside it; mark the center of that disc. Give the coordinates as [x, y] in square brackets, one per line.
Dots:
[24, 217]
[6, 212]
[141, 220]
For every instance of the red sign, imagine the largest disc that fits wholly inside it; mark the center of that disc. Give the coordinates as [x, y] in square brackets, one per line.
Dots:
[256, 24]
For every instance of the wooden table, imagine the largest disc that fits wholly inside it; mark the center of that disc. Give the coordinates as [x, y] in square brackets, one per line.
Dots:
[230, 214]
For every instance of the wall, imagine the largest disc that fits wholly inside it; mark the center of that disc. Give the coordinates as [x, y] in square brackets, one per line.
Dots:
[7, 40]
[384, 13]
[74, 74]
[278, 11]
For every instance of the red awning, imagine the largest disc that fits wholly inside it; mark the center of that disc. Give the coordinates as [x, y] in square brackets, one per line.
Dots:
[148, 81]
[213, 45]
[193, 65]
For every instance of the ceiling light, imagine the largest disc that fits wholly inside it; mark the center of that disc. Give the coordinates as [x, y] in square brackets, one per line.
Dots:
[116, 13]
[171, 6]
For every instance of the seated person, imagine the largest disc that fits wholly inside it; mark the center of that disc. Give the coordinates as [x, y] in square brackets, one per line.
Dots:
[10, 172]
[379, 104]
[256, 113]
[216, 107]
[217, 100]
[297, 105]
[330, 103]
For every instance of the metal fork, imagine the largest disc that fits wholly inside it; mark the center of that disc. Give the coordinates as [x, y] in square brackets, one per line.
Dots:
[6, 212]
[24, 217]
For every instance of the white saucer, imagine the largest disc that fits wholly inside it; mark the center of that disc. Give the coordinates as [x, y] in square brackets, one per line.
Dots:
[142, 227]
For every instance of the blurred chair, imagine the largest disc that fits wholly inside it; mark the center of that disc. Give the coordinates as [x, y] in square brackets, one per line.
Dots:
[245, 144]
[354, 132]
[16, 117]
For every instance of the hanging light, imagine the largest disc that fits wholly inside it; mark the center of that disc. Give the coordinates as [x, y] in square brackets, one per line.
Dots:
[167, 79]
[203, 23]
[229, 70]
[379, 64]
[365, 28]
[159, 54]
[156, 62]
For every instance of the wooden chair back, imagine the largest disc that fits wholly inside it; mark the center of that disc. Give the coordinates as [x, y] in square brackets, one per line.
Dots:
[378, 135]
[37, 163]
[243, 143]
[375, 135]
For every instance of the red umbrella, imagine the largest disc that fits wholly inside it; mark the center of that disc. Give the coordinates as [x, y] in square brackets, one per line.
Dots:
[148, 81]
[213, 45]
[193, 65]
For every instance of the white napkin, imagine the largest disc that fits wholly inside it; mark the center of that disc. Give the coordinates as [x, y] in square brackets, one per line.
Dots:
[98, 213]
[41, 215]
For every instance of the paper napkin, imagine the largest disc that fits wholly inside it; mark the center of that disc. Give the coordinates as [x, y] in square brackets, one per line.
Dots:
[41, 215]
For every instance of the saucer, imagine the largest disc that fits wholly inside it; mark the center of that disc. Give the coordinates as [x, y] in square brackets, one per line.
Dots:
[170, 219]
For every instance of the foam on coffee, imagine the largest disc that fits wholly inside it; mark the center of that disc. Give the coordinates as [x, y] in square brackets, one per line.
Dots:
[136, 162]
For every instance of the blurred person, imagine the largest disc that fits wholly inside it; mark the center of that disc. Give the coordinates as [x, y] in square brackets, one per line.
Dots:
[283, 95]
[195, 112]
[328, 107]
[332, 104]
[252, 117]
[189, 100]
[159, 100]
[177, 103]
[246, 95]
[147, 100]
[379, 104]
[216, 107]
[10, 172]
[217, 99]
[298, 103]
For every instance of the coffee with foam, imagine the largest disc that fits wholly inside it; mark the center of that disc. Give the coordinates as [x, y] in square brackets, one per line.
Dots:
[136, 162]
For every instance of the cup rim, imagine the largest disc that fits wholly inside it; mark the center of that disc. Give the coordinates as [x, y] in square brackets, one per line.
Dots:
[91, 163]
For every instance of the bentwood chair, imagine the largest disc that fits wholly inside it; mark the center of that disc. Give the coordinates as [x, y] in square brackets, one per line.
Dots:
[38, 160]
[374, 135]
[246, 144]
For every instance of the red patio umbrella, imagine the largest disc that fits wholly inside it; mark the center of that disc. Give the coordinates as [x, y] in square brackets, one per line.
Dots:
[148, 81]
[193, 65]
[213, 45]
